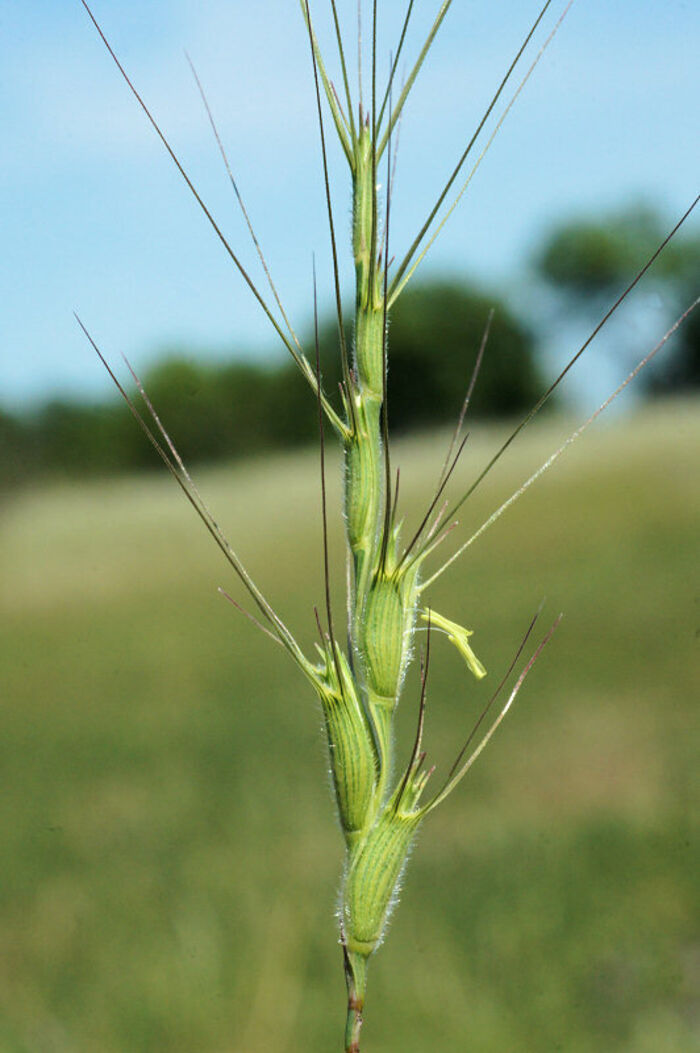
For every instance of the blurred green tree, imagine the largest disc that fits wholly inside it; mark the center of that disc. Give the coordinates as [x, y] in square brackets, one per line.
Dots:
[212, 411]
[15, 450]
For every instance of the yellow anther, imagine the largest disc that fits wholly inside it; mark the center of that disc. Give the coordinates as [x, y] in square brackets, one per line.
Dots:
[459, 636]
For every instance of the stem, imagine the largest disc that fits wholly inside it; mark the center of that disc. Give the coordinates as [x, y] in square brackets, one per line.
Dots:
[355, 973]
[353, 1025]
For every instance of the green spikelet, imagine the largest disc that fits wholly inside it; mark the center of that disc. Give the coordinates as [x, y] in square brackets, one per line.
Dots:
[383, 637]
[372, 879]
[351, 747]
[369, 347]
[362, 487]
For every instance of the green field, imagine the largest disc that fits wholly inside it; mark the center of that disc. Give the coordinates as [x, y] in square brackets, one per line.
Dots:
[168, 855]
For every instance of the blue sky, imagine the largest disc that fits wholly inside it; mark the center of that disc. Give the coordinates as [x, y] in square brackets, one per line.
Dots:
[94, 218]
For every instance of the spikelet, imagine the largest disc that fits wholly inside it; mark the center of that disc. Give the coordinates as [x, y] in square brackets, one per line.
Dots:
[352, 754]
[362, 482]
[382, 640]
[372, 879]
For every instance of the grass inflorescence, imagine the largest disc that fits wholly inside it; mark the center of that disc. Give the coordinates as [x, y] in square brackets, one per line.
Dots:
[361, 657]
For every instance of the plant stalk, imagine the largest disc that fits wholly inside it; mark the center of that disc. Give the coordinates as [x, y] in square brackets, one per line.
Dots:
[355, 974]
[353, 1024]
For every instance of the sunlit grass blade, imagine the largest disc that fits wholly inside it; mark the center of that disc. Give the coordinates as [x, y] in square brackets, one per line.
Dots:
[341, 126]
[344, 68]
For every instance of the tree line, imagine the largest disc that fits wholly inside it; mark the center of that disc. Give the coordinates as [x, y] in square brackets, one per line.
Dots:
[223, 411]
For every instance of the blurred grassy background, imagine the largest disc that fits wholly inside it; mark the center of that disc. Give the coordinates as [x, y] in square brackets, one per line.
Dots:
[169, 858]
